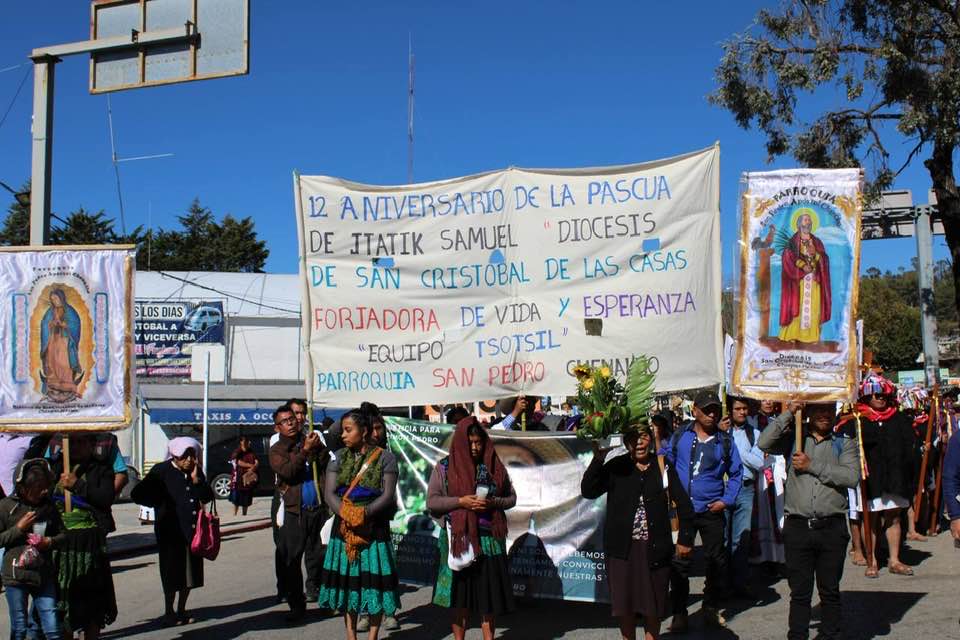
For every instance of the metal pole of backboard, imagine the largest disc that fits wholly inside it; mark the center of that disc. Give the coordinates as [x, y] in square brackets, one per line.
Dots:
[42, 133]
[928, 317]
[206, 404]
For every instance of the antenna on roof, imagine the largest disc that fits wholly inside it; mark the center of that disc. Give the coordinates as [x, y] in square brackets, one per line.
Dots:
[410, 61]
[116, 166]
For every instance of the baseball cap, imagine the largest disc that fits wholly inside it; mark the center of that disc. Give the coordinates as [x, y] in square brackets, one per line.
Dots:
[706, 399]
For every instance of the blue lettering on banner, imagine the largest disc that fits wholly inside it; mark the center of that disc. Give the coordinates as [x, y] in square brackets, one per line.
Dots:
[365, 381]
[659, 261]
[470, 276]
[623, 190]
[541, 340]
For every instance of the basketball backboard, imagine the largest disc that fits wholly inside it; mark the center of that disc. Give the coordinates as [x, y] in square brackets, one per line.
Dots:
[217, 46]
[199, 355]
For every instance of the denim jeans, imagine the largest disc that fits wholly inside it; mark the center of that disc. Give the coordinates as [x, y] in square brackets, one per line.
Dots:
[45, 600]
[738, 522]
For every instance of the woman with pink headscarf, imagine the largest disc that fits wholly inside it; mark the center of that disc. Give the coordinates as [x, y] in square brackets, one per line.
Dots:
[176, 488]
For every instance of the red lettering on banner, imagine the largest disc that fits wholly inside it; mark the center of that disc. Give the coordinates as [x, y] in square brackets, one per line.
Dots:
[516, 373]
[411, 319]
[444, 378]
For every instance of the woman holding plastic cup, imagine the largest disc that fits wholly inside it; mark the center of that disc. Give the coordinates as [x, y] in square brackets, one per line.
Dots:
[470, 490]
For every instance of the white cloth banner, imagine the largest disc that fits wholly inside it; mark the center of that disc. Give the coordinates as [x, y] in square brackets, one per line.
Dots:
[799, 278]
[500, 283]
[67, 332]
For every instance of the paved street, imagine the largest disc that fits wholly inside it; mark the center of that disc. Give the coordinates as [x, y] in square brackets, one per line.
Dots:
[237, 602]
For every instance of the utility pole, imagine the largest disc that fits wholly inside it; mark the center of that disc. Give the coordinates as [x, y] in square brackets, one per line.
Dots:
[897, 217]
[928, 312]
[42, 132]
[121, 51]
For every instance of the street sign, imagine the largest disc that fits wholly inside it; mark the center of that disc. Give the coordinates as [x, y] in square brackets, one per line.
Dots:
[216, 42]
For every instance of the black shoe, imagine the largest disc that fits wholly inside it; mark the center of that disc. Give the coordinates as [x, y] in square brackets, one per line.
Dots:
[281, 598]
[680, 623]
[745, 593]
[295, 616]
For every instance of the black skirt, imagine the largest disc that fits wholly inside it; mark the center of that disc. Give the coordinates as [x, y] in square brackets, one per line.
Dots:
[635, 588]
[485, 587]
[179, 569]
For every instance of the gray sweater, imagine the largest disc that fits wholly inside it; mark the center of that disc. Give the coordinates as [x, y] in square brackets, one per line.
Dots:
[822, 489]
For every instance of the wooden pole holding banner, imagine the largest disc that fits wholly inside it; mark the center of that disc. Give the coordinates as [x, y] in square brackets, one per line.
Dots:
[865, 500]
[934, 410]
[313, 464]
[67, 498]
[798, 431]
[935, 503]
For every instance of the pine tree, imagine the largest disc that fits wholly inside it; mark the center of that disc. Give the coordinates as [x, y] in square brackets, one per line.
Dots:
[16, 226]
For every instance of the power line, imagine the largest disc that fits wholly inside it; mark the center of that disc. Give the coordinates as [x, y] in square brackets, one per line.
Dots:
[15, 96]
[226, 294]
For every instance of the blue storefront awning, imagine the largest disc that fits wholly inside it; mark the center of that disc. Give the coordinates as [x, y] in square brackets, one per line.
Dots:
[227, 416]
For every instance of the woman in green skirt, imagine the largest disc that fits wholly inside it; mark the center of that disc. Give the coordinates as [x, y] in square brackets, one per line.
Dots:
[359, 571]
[87, 598]
[470, 490]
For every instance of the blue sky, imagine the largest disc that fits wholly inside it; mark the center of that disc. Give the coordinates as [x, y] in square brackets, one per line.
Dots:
[536, 84]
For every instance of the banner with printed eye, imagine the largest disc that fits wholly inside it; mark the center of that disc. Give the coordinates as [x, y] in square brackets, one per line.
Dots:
[554, 535]
[499, 284]
[67, 331]
[798, 285]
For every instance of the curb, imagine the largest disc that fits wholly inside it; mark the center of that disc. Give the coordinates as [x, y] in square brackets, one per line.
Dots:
[150, 546]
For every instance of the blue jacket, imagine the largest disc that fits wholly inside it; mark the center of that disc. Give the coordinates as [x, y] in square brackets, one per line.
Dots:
[951, 477]
[703, 479]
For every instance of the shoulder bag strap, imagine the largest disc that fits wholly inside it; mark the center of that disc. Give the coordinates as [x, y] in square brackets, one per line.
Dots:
[366, 465]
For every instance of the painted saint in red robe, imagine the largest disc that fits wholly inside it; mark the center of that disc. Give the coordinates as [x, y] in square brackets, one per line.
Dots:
[805, 297]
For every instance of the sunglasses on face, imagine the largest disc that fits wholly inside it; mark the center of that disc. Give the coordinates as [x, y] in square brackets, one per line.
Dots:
[189, 453]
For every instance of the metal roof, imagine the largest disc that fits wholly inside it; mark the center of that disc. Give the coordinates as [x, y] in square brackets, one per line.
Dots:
[251, 295]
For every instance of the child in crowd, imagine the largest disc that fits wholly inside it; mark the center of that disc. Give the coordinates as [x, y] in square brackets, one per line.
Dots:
[30, 527]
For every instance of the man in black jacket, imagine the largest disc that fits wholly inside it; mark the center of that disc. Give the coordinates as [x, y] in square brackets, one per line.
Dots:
[290, 459]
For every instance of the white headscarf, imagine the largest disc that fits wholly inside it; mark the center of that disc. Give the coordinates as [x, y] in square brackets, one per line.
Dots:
[178, 446]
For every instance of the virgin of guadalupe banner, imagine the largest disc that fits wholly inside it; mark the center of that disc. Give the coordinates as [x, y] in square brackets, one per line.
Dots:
[67, 331]
[799, 277]
[501, 283]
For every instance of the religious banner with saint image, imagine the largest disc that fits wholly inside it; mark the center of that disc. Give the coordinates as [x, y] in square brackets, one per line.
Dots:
[798, 285]
[68, 337]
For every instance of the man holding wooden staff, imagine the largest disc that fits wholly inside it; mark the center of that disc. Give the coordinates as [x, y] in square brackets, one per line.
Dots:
[815, 536]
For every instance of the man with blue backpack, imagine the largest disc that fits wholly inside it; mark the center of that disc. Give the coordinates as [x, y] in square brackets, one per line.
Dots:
[815, 530]
[708, 464]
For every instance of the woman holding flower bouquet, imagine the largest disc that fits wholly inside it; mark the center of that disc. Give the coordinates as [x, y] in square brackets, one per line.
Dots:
[637, 538]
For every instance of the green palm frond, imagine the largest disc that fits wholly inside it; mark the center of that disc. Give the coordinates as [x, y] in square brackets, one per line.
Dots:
[781, 240]
[640, 389]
